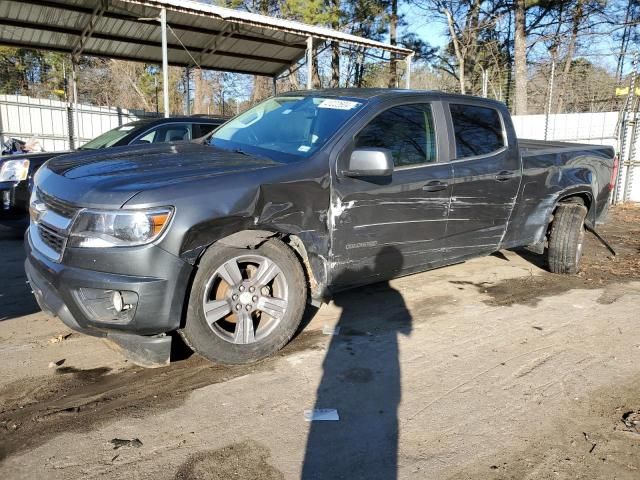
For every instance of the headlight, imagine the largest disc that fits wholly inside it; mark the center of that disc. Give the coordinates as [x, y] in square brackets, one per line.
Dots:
[14, 170]
[119, 228]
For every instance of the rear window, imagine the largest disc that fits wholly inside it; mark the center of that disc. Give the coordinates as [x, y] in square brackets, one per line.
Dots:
[478, 130]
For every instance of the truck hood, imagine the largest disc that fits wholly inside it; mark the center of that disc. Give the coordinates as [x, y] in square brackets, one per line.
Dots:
[110, 176]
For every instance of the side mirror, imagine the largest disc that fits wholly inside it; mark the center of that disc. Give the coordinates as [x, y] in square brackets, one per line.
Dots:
[369, 162]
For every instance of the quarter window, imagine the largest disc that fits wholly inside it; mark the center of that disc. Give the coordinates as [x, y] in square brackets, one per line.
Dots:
[406, 130]
[478, 130]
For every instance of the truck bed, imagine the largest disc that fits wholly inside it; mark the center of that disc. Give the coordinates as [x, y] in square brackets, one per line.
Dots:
[540, 147]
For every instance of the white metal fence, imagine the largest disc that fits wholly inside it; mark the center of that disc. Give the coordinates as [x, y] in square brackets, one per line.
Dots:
[594, 128]
[49, 121]
[600, 128]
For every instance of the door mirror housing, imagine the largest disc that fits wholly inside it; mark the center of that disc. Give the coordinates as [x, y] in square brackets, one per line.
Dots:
[369, 162]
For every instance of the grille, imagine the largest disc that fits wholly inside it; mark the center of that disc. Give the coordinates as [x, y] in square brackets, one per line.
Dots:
[51, 238]
[59, 206]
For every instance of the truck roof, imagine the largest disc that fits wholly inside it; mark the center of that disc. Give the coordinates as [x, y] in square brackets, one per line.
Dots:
[370, 93]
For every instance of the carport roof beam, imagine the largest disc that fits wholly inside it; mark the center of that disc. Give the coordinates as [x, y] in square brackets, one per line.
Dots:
[244, 42]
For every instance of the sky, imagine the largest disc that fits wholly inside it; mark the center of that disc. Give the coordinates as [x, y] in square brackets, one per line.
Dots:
[431, 31]
[601, 50]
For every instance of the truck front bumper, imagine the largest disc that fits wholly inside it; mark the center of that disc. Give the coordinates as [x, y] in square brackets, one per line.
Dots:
[13, 213]
[141, 332]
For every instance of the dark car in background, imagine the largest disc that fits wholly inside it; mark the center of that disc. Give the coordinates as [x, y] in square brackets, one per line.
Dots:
[17, 171]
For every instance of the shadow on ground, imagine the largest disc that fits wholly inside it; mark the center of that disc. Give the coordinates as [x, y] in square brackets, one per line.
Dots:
[16, 298]
[361, 379]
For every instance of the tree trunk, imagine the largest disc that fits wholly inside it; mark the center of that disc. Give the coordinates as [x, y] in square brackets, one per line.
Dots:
[262, 88]
[315, 76]
[335, 47]
[199, 86]
[293, 80]
[578, 15]
[520, 58]
[393, 40]
[458, 51]
[335, 65]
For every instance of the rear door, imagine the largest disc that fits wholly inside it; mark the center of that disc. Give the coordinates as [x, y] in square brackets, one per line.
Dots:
[486, 179]
[386, 226]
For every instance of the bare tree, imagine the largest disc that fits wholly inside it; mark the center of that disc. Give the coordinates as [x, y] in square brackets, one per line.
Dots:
[520, 57]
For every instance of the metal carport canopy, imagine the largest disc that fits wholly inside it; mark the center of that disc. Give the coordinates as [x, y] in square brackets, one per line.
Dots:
[216, 38]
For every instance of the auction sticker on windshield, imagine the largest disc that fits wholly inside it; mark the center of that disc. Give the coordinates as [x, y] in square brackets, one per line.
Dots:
[338, 104]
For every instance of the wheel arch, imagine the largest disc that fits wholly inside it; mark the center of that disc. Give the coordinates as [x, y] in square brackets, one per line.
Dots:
[252, 238]
[581, 195]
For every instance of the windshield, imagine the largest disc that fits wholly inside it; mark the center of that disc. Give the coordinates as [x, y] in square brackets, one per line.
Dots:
[286, 128]
[109, 138]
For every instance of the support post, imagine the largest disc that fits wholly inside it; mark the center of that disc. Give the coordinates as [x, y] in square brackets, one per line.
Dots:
[408, 78]
[275, 85]
[550, 99]
[309, 63]
[165, 63]
[76, 116]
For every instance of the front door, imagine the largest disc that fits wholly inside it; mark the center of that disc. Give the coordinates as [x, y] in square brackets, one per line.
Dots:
[486, 181]
[387, 226]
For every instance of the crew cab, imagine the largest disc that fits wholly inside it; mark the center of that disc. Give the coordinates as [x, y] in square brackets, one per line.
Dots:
[303, 195]
[17, 171]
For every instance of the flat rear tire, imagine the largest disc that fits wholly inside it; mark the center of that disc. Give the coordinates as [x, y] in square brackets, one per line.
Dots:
[566, 239]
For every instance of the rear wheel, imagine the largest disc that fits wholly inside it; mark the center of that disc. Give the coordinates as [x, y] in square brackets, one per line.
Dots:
[245, 304]
[566, 238]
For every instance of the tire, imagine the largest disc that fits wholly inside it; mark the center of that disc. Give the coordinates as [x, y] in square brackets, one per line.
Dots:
[566, 238]
[248, 318]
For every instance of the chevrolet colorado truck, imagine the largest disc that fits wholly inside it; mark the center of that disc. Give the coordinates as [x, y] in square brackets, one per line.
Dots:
[302, 195]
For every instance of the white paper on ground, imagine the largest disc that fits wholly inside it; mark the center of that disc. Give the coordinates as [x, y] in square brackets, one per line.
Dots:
[329, 330]
[321, 415]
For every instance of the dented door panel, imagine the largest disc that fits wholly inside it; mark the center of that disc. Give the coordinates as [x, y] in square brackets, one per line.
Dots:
[481, 205]
[485, 189]
[369, 216]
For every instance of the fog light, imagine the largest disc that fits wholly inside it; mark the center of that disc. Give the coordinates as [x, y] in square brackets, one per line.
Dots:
[107, 306]
[118, 303]
[121, 300]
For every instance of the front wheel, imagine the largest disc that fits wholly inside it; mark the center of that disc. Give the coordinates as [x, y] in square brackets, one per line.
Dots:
[245, 304]
[566, 238]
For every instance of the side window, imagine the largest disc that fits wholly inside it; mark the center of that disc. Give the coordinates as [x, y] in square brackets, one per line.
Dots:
[174, 133]
[146, 138]
[166, 133]
[406, 130]
[478, 130]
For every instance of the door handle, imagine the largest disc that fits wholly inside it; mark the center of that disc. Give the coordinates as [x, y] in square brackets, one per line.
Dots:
[434, 186]
[504, 176]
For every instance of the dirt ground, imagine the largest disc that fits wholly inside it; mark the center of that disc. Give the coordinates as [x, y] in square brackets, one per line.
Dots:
[489, 369]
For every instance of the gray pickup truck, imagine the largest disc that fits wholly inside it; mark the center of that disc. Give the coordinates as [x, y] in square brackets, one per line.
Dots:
[304, 194]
